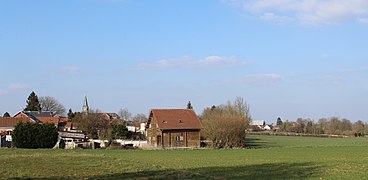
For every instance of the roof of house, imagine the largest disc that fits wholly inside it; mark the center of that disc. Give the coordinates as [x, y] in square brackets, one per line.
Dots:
[72, 125]
[11, 121]
[40, 113]
[113, 115]
[175, 119]
[25, 114]
[54, 120]
[68, 124]
[39, 116]
[258, 123]
[63, 119]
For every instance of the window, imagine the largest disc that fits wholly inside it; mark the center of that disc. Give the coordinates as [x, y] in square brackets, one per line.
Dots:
[181, 136]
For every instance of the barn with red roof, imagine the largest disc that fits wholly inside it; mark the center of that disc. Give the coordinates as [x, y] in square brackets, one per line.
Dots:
[173, 128]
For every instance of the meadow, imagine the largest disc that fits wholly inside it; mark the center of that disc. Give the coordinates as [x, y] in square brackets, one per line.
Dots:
[266, 157]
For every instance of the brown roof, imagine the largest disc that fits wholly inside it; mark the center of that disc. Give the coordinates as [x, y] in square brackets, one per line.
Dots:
[50, 120]
[11, 121]
[68, 124]
[176, 118]
[63, 119]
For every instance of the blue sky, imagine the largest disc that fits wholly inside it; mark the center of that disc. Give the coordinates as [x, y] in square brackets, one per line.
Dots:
[285, 58]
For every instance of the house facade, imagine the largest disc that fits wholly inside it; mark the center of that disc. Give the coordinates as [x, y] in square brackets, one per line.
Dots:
[7, 125]
[167, 128]
[41, 117]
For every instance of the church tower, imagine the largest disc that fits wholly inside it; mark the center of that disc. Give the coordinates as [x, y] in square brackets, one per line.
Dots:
[85, 108]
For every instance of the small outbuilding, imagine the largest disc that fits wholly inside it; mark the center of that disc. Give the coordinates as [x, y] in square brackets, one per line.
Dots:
[173, 128]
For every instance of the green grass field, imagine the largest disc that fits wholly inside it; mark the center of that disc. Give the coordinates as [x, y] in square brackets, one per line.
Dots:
[267, 157]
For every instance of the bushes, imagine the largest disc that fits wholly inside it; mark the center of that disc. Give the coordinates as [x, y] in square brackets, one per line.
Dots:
[225, 125]
[29, 135]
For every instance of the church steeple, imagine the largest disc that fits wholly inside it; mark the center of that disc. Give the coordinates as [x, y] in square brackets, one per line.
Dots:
[85, 108]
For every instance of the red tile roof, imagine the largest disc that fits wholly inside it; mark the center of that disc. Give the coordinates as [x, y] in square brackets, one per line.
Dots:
[11, 121]
[41, 117]
[63, 119]
[68, 124]
[50, 120]
[175, 119]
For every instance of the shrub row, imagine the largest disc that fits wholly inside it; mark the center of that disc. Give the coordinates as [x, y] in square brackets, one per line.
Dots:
[34, 135]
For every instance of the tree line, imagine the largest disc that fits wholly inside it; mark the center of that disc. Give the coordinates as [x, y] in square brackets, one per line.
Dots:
[224, 126]
[331, 126]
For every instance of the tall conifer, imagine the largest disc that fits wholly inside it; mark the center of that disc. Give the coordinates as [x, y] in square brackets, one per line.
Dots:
[32, 103]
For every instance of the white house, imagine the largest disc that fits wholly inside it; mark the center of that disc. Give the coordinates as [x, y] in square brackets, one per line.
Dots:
[267, 127]
[259, 123]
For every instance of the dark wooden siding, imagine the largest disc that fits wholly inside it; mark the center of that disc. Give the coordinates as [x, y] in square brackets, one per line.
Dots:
[180, 138]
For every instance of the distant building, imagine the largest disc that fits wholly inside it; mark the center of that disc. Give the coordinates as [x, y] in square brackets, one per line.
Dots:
[85, 108]
[142, 128]
[41, 116]
[267, 127]
[7, 125]
[258, 123]
[136, 127]
[104, 115]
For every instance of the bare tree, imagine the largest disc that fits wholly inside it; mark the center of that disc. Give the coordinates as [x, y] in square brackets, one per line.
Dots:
[225, 125]
[125, 114]
[359, 128]
[140, 118]
[93, 124]
[51, 104]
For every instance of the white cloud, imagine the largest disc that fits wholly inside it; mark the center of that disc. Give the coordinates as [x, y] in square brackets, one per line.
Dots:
[260, 79]
[188, 62]
[18, 86]
[363, 20]
[271, 17]
[352, 70]
[13, 88]
[306, 11]
[335, 80]
[69, 69]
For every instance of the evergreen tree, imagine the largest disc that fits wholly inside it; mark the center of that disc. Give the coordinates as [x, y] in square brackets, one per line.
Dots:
[189, 105]
[6, 114]
[71, 115]
[119, 131]
[34, 135]
[32, 103]
[279, 121]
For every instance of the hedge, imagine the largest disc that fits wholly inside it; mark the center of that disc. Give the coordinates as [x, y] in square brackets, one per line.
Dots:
[34, 135]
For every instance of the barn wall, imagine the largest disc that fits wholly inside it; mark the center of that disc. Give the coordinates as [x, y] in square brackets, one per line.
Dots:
[152, 134]
[181, 138]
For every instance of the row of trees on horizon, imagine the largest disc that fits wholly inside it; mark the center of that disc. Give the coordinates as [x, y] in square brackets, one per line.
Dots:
[331, 126]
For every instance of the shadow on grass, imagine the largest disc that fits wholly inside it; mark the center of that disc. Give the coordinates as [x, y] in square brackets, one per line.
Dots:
[261, 171]
[255, 143]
